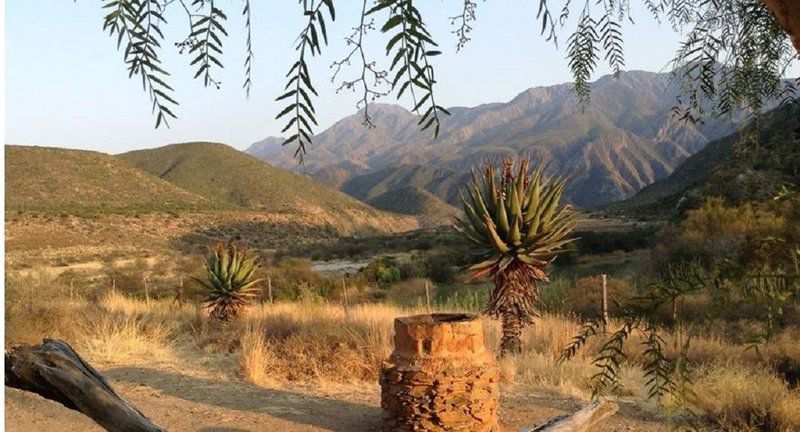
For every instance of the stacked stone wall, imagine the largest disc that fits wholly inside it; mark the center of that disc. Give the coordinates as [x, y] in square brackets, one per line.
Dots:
[440, 377]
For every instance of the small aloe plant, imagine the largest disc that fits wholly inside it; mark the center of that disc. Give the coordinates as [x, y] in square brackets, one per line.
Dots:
[230, 281]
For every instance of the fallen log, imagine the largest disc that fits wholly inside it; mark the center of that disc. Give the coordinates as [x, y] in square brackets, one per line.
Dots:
[580, 421]
[55, 371]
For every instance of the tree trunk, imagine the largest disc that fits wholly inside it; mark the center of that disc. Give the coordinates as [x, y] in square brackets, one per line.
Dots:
[787, 12]
[511, 341]
[55, 371]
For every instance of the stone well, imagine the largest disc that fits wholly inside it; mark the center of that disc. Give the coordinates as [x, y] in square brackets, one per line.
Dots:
[439, 377]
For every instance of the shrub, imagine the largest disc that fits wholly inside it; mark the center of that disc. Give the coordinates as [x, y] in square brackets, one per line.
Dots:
[716, 232]
[439, 267]
[383, 271]
[411, 269]
[288, 274]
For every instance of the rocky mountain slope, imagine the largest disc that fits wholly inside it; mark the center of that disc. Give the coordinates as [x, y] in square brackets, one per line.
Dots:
[625, 139]
[753, 163]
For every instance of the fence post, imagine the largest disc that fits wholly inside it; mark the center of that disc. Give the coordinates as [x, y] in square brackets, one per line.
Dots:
[113, 285]
[146, 290]
[179, 293]
[428, 296]
[605, 302]
[344, 293]
[269, 289]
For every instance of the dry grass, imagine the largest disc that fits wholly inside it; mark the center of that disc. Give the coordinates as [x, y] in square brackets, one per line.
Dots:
[257, 358]
[320, 343]
[740, 399]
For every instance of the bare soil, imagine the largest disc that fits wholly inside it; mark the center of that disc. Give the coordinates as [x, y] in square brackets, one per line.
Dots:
[180, 402]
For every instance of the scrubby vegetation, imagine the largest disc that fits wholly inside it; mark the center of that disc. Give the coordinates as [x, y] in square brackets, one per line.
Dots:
[733, 270]
[321, 343]
[715, 295]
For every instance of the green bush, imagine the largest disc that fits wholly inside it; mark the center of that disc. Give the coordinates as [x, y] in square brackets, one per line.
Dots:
[439, 267]
[382, 271]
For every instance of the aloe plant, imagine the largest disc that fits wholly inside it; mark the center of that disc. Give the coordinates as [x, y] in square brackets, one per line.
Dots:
[230, 281]
[515, 220]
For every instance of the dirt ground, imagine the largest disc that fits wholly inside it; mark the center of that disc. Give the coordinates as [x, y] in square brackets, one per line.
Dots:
[180, 402]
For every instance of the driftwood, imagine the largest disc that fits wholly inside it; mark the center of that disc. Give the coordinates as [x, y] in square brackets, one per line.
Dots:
[580, 421]
[56, 372]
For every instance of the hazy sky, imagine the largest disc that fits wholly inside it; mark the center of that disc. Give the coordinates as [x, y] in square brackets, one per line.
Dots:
[66, 84]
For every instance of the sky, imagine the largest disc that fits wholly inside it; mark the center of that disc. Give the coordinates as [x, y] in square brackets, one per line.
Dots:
[66, 83]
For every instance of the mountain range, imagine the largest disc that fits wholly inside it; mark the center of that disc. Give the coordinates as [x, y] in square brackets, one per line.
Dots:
[752, 164]
[625, 139]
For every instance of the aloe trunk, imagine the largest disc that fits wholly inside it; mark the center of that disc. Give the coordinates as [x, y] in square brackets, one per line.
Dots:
[511, 341]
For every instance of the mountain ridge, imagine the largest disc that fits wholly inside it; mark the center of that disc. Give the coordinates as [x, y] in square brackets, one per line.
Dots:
[218, 170]
[625, 139]
[752, 163]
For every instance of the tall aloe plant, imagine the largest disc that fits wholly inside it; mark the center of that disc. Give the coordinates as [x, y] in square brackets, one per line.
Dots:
[515, 219]
[230, 281]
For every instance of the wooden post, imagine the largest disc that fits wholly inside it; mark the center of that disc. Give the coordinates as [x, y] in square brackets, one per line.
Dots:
[428, 296]
[113, 285]
[146, 290]
[269, 289]
[605, 302]
[179, 293]
[344, 294]
[30, 295]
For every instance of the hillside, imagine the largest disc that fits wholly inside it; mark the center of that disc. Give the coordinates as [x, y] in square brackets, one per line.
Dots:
[443, 183]
[222, 172]
[430, 210]
[56, 180]
[750, 164]
[336, 175]
[625, 139]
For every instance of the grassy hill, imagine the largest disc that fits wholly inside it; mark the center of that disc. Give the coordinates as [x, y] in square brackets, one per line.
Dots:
[751, 164]
[54, 180]
[222, 172]
[417, 202]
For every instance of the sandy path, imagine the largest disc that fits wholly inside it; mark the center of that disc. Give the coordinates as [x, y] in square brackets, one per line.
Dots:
[187, 403]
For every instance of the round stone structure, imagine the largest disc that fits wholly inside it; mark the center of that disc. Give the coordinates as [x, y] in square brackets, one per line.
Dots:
[440, 377]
